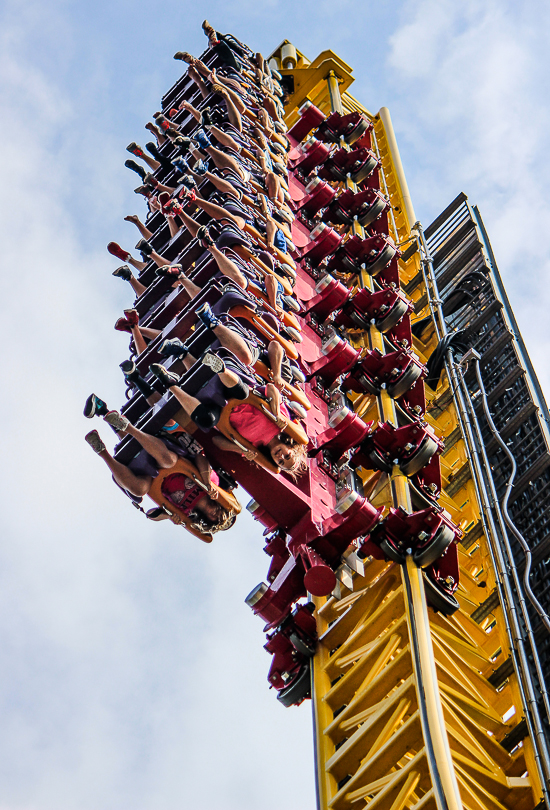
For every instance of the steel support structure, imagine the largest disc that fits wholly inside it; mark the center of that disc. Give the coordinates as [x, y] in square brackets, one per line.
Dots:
[413, 707]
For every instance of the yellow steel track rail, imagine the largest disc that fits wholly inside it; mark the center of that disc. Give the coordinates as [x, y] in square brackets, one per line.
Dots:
[411, 709]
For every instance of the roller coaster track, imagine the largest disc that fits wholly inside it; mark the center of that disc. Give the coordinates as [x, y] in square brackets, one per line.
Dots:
[415, 707]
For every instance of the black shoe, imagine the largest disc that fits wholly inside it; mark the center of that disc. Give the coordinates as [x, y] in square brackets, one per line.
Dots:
[128, 367]
[182, 144]
[206, 121]
[166, 377]
[144, 247]
[147, 191]
[157, 513]
[169, 271]
[95, 407]
[203, 235]
[174, 348]
[135, 167]
[133, 376]
[123, 272]
[153, 150]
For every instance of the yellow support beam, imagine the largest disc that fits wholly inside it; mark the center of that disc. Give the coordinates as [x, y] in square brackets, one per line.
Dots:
[412, 709]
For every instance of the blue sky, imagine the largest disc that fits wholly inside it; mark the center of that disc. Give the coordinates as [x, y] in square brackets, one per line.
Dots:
[132, 675]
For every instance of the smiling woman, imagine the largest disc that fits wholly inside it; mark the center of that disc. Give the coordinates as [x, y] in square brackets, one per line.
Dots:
[267, 427]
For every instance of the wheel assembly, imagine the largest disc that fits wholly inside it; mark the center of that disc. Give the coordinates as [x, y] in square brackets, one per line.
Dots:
[302, 646]
[404, 383]
[383, 259]
[356, 133]
[393, 317]
[369, 386]
[298, 690]
[424, 453]
[378, 207]
[437, 546]
[391, 552]
[379, 462]
[368, 167]
[441, 601]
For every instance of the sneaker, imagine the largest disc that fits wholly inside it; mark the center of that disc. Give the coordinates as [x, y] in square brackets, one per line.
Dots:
[180, 165]
[182, 144]
[174, 347]
[116, 419]
[128, 367]
[286, 216]
[123, 272]
[134, 149]
[293, 334]
[214, 362]
[203, 235]
[145, 190]
[287, 271]
[164, 198]
[297, 409]
[187, 193]
[207, 316]
[116, 250]
[153, 150]
[298, 374]
[151, 181]
[157, 513]
[202, 139]
[94, 405]
[122, 325]
[132, 316]
[168, 270]
[135, 167]
[166, 377]
[291, 303]
[94, 440]
[188, 181]
[183, 55]
[162, 122]
[200, 168]
[144, 247]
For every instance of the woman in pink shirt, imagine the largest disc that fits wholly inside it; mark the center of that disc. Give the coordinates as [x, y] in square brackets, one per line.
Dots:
[266, 434]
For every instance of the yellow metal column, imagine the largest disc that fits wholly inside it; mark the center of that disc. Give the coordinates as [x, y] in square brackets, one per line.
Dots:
[334, 92]
[435, 734]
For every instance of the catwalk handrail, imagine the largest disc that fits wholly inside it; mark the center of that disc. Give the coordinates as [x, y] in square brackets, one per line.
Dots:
[517, 642]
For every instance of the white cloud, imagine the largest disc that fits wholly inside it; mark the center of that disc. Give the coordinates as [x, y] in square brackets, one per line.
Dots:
[471, 116]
